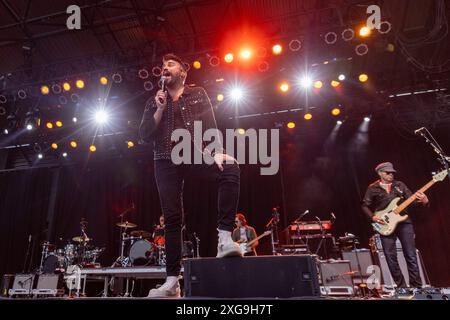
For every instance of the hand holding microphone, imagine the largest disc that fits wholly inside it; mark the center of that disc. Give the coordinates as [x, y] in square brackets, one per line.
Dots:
[161, 95]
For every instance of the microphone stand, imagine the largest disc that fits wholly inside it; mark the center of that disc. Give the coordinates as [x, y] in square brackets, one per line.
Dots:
[27, 254]
[356, 242]
[444, 160]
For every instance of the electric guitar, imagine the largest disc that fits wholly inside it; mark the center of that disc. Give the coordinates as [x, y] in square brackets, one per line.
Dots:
[246, 246]
[391, 215]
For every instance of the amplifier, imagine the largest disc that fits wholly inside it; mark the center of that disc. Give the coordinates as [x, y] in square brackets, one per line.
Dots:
[49, 285]
[336, 277]
[7, 283]
[251, 277]
[364, 257]
[23, 285]
[423, 293]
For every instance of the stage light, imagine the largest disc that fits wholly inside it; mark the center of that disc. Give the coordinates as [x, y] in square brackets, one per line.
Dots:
[277, 49]
[130, 144]
[29, 127]
[335, 83]
[197, 65]
[318, 84]
[143, 73]
[366, 119]
[236, 94]
[148, 85]
[79, 84]
[305, 82]
[32, 119]
[220, 97]
[59, 124]
[341, 77]
[228, 58]
[66, 86]
[40, 156]
[54, 146]
[339, 122]
[307, 116]
[6, 131]
[3, 99]
[117, 77]
[92, 148]
[336, 111]
[364, 31]
[64, 154]
[284, 87]
[104, 81]
[45, 90]
[291, 125]
[363, 77]
[73, 144]
[246, 54]
[22, 94]
[101, 116]
[295, 45]
[214, 61]
[74, 119]
[49, 125]
[241, 131]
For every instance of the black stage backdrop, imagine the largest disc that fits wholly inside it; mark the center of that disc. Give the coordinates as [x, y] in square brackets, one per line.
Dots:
[318, 172]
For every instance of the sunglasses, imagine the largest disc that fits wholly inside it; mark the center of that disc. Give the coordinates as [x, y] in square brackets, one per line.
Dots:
[389, 173]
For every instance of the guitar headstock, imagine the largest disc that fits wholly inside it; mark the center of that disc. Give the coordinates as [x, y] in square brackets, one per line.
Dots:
[440, 175]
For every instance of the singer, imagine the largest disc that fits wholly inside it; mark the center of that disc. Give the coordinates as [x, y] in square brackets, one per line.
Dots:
[178, 106]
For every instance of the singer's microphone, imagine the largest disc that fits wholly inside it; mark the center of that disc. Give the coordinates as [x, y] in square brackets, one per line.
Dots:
[333, 216]
[29, 238]
[163, 87]
[418, 130]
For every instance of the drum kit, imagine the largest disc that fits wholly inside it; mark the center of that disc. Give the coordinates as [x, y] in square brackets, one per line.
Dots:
[142, 248]
[74, 252]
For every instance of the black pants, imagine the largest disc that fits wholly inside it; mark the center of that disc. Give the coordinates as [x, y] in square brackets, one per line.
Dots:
[405, 233]
[170, 178]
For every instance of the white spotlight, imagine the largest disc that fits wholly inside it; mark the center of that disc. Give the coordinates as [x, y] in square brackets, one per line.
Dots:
[341, 77]
[366, 119]
[101, 116]
[6, 131]
[64, 154]
[40, 156]
[339, 122]
[236, 94]
[306, 82]
[74, 119]
[29, 127]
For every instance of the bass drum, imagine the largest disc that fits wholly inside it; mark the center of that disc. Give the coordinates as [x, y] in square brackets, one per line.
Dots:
[143, 253]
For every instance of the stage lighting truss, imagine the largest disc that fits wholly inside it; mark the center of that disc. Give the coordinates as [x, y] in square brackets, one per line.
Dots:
[385, 27]
[295, 45]
[214, 61]
[361, 49]
[330, 37]
[348, 34]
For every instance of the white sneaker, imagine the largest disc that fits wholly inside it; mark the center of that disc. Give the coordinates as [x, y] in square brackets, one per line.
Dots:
[226, 246]
[170, 289]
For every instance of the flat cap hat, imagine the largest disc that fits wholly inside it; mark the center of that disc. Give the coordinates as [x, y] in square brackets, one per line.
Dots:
[386, 167]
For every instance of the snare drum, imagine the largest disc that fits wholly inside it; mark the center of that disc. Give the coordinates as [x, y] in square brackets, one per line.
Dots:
[143, 253]
[70, 251]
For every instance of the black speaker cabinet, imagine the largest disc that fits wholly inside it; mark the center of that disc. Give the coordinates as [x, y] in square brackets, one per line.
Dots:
[251, 277]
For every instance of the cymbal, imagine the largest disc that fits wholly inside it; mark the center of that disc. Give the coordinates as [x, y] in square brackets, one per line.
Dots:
[140, 233]
[126, 225]
[81, 239]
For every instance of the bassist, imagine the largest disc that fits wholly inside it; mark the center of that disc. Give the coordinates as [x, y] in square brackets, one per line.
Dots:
[378, 196]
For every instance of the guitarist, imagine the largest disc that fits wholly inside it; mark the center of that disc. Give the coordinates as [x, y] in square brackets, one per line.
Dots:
[243, 233]
[378, 196]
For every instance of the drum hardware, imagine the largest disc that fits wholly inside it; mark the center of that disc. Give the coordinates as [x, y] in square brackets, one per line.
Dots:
[47, 248]
[124, 225]
[197, 245]
[142, 234]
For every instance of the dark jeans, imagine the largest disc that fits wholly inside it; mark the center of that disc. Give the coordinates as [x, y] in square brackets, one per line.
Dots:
[170, 178]
[405, 233]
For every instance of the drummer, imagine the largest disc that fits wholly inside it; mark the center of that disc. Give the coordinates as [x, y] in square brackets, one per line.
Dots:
[158, 233]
